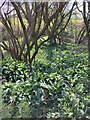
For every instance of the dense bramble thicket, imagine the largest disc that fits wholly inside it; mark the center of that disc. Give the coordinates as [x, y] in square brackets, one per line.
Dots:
[57, 87]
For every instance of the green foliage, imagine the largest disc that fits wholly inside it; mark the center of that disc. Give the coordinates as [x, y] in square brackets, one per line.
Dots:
[14, 70]
[57, 87]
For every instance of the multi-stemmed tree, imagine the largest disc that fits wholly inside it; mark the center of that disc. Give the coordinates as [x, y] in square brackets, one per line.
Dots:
[27, 23]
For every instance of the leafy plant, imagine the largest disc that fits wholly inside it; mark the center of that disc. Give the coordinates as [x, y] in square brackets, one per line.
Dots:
[56, 88]
[14, 70]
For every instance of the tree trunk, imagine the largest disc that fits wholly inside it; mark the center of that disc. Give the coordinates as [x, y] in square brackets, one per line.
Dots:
[88, 31]
[86, 17]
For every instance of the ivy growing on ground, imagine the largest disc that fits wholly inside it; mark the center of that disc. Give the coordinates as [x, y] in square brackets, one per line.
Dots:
[57, 87]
